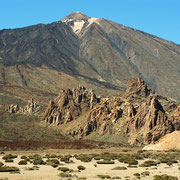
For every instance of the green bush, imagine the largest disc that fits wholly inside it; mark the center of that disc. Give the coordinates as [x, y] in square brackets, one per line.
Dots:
[65, 175]
[65, 158]
[24, 157]
[119, 168]
[116, 177]
[164, 177]
[51, 156]
[38, 161]
[149, 163]
[1, 164]
[81, 168]
[104, 176]
[9, 156]
[8, 169]
[9, 160]
[52, 161]
[105, 162]
[136, 174]
[145, 173]
[84, 157]
[22, 162]
[63, 169]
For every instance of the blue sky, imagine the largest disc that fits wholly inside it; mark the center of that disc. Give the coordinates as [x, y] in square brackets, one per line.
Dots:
[157, 17]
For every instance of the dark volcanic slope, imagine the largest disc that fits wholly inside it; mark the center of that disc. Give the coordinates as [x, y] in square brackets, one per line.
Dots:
[89, 51]
[118, 53]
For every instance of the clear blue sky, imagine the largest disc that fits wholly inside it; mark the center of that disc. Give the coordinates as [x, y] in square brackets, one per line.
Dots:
[157, 17]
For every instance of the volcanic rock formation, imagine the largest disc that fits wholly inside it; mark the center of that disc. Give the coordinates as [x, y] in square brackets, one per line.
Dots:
[32, 107]
[139, 114]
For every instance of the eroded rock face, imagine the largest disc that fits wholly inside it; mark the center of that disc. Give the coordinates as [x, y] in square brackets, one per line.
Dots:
[32, 107]
[150, 122]
[137, 87]
[139, 113]
[69, 105]
[176, 119]
[103, 116]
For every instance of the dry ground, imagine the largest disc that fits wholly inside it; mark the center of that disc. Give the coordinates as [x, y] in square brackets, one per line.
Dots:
[47, 172]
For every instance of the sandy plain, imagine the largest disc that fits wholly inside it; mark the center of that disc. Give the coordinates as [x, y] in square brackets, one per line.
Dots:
[47, 172]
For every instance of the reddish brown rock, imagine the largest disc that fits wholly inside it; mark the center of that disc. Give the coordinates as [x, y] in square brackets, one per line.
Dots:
[176, 119]
[140, 115]
[150, 122]
[137, 87]
[69, 104]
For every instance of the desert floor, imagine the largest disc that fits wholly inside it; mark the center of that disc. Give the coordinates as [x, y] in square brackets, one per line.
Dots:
[47, 172]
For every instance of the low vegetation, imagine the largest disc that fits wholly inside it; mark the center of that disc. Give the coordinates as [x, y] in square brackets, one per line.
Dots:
[22, 162]
[104, 176]
[164, 177]
[80, 168]
[105, 162]
[8, 169]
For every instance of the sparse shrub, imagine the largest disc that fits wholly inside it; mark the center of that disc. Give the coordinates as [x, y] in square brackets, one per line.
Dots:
[145, 173]
[65, 175]
[54, 165]
[149, 163]
[24, 157]
[84, 157]
[81, 168]
[169, 163]
[164, 177]
[66, 159]
[105, 162]
[22, 162]
[35, 156]
[119, 168]
[116, 177]
[52, 161]
[51, 156]
[9, 160]
[8, 169]
[136, 174]
[32, 168]
[104, 176]
[1, 164]
[9, 156]
[38, 161]
[63, 169]
[82, 178]
[132, 166]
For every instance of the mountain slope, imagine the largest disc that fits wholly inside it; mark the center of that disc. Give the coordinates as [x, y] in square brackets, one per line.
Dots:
[118, 53]
[97, 53]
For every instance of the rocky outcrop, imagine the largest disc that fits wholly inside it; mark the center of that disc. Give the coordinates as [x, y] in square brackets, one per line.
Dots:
[139, 114]
[137, 87]
[103, 116]
[69, 105]
[32, 107]
[176, 119]
[150, 122]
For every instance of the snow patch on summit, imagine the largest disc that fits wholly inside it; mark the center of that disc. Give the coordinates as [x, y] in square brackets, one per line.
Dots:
[78, 26]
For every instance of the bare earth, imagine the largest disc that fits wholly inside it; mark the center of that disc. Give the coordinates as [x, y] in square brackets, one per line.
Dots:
[167, 142]
[47, 172]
